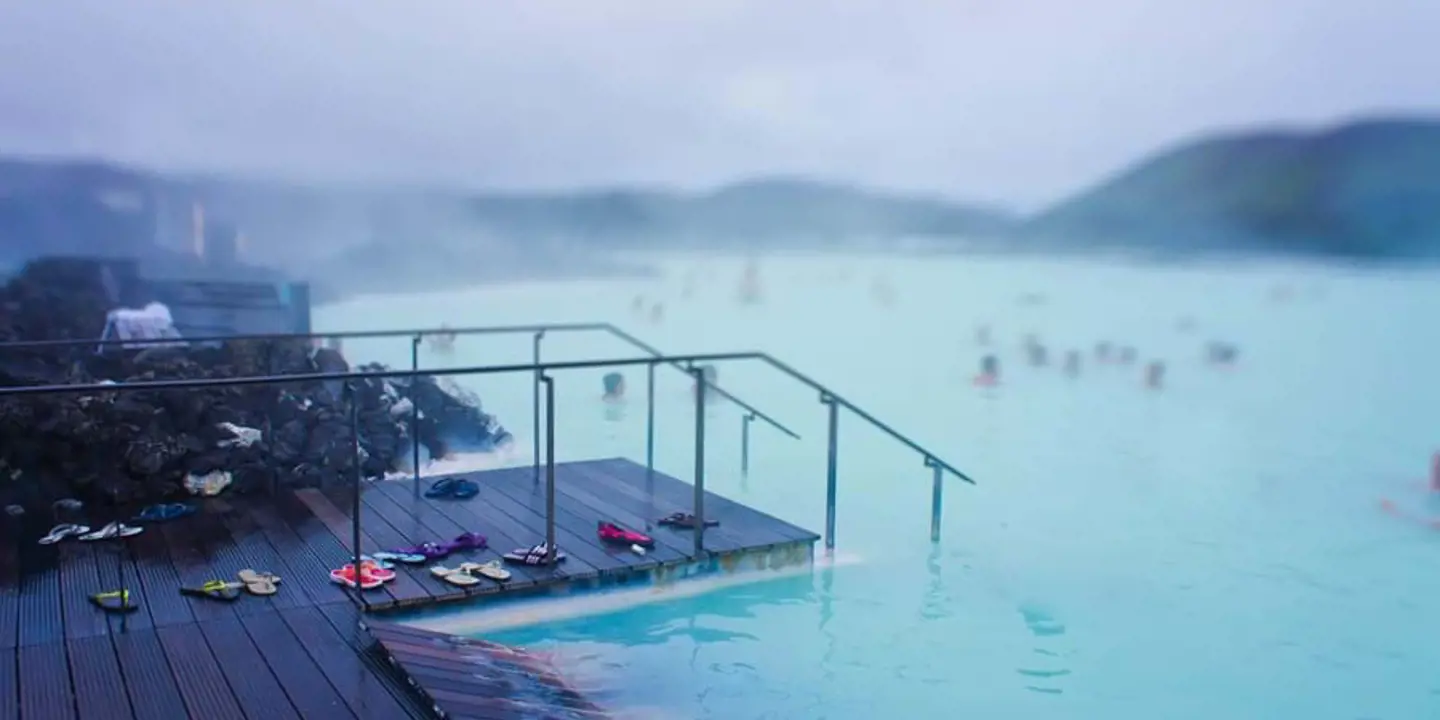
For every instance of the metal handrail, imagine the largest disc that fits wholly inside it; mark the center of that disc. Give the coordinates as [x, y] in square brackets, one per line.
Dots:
[688, 362]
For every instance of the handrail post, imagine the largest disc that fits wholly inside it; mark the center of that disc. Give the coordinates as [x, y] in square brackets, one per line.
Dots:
[415, 413]
[699, 500]
[650, 419]
[539, 378]
[550, 551]
[831, 468]
[937, 491]
[355, 502]
[745, 421]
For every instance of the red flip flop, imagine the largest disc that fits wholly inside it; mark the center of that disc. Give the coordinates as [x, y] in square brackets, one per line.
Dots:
[612, 533]
[346, 576]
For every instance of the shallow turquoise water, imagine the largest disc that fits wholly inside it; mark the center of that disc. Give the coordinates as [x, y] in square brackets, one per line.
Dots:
[1215, 549]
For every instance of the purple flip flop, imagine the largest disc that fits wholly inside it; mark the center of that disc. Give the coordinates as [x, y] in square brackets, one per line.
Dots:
[431, 551]
[468, 541]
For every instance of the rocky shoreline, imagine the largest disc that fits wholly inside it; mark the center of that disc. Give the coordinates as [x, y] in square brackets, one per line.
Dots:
[127, 447]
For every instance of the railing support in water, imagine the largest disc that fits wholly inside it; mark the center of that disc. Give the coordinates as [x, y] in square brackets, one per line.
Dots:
[831, 469]
[355, 501]
[550, 551]
[937, 495]
[699, 501]
[745, 421]
[415, 414]
[539, 378]
[650, 419]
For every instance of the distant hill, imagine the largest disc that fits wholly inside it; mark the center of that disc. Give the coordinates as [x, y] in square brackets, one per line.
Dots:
[769, 212]
[1363, 190]
[422, 237]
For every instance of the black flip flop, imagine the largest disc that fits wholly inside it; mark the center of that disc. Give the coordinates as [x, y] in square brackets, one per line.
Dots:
[685, 520]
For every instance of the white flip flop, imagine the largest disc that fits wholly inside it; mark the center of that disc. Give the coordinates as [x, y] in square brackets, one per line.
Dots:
[112, 531]
[62, 531]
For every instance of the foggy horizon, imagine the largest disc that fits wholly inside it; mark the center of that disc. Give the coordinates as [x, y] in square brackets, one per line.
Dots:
[1015, 105]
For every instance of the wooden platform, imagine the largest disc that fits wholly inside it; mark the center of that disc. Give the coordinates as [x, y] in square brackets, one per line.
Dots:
[510, 512]
[302, 653]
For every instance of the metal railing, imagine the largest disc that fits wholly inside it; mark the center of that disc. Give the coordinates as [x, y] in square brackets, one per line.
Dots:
[417, 337]
[832, 400]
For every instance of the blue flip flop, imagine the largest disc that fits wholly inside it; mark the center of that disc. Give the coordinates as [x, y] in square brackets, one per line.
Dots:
[442, 488]
[165, 512]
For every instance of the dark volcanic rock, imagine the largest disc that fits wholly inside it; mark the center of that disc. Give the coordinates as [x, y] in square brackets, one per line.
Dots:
[142, 445]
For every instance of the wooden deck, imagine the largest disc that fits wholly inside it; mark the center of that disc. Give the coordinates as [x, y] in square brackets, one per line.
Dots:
[302, 653]
[510, 512]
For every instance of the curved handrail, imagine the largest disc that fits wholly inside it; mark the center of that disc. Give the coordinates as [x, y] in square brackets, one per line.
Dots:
[931, 460]
[416, 333]
[828, 395]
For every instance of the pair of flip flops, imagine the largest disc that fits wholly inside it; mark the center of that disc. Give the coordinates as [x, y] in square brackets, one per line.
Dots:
[452, 489]
[164, 512]
[110, 531]
[256, 583]
[371, 575]
[114, 601]
[466, 574]
[685, 521]
[613, 534]
[536, 555]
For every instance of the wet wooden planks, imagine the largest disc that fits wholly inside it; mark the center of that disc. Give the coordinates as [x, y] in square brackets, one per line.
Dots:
[292, 663]
[297, 654]
[476, 679]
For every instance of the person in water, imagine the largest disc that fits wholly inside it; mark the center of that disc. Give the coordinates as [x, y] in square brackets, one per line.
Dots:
[1435, 473]
[1102, 352]
[614, 384]
[1127, 355]
[1221, 353]
[1155, 375]
[989, 372]
[710, 374]
[657, 313]
[1036, 352]
[443, 342]
[1072, 363]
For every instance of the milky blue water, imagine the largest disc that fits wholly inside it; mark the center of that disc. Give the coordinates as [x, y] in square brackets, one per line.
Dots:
[1211, 550]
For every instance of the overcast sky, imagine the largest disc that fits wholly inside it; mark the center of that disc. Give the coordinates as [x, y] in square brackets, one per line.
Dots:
[1013, 101]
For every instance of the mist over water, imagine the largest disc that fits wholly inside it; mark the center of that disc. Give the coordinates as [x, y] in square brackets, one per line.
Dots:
[1215, 548]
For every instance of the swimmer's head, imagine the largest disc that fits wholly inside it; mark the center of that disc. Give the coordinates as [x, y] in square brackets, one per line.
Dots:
[614, 384]
[989, 365]
[709, 373]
